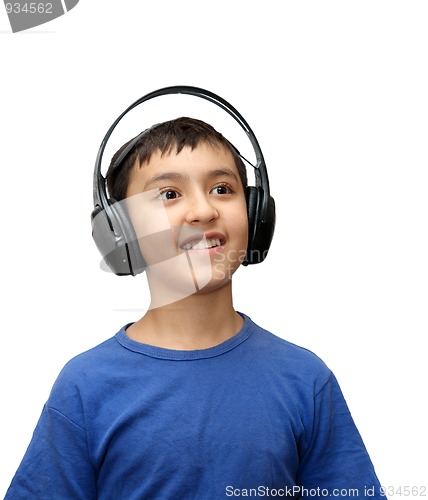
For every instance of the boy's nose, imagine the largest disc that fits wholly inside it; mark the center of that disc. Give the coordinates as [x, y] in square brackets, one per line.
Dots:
[201, 210]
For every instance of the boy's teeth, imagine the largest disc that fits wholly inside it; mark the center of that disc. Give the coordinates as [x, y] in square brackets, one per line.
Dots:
[202, 245]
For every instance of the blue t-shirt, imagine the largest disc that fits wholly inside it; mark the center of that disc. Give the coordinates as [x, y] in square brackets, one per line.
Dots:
[253, 416]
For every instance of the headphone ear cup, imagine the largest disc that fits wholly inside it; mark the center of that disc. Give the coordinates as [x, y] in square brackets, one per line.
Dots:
[260, 232]
[252, 197]
[135, 258]
[116, 240]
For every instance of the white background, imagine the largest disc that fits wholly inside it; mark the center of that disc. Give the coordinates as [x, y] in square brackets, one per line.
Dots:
[336, 93]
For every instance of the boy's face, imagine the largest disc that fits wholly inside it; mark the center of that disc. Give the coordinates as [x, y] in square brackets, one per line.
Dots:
[189, 213]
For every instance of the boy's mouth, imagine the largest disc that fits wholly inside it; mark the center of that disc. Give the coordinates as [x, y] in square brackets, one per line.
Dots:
[205, 242]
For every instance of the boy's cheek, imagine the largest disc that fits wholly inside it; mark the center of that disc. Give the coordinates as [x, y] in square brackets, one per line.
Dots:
[147, 213]
[158, 247]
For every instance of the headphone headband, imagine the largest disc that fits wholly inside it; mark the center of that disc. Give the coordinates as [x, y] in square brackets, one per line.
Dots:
[261, 177]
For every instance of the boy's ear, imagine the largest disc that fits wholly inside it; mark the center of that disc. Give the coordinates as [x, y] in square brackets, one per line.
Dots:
[260, 232]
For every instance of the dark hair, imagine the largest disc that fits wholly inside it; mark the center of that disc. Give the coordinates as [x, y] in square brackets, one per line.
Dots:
[166, 137]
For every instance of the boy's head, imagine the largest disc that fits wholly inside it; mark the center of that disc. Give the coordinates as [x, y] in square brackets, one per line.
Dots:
[166, 138]
[182, 185]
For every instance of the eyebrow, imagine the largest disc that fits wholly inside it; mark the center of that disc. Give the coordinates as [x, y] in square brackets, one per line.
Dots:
[178, 177]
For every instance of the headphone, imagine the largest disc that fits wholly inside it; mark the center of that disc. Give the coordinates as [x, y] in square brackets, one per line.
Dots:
[112, 229]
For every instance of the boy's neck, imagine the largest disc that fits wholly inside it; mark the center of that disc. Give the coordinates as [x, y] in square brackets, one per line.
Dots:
[197, 322]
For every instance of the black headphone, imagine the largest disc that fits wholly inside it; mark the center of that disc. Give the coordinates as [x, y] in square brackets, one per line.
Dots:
[112, 230]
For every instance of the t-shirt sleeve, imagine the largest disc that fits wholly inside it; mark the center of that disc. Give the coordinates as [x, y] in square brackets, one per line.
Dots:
[333, 455]
[57, 462]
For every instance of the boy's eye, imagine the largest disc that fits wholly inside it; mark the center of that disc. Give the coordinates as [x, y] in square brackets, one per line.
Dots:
[169, 194]
[221, 189]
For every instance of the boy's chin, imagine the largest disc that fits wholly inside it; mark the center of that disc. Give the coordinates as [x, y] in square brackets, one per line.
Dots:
[177, 279]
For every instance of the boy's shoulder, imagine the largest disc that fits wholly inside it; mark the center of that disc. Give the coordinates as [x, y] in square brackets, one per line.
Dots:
[289, 358]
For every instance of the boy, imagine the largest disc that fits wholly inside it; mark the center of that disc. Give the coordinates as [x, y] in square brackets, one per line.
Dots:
[194, 400]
